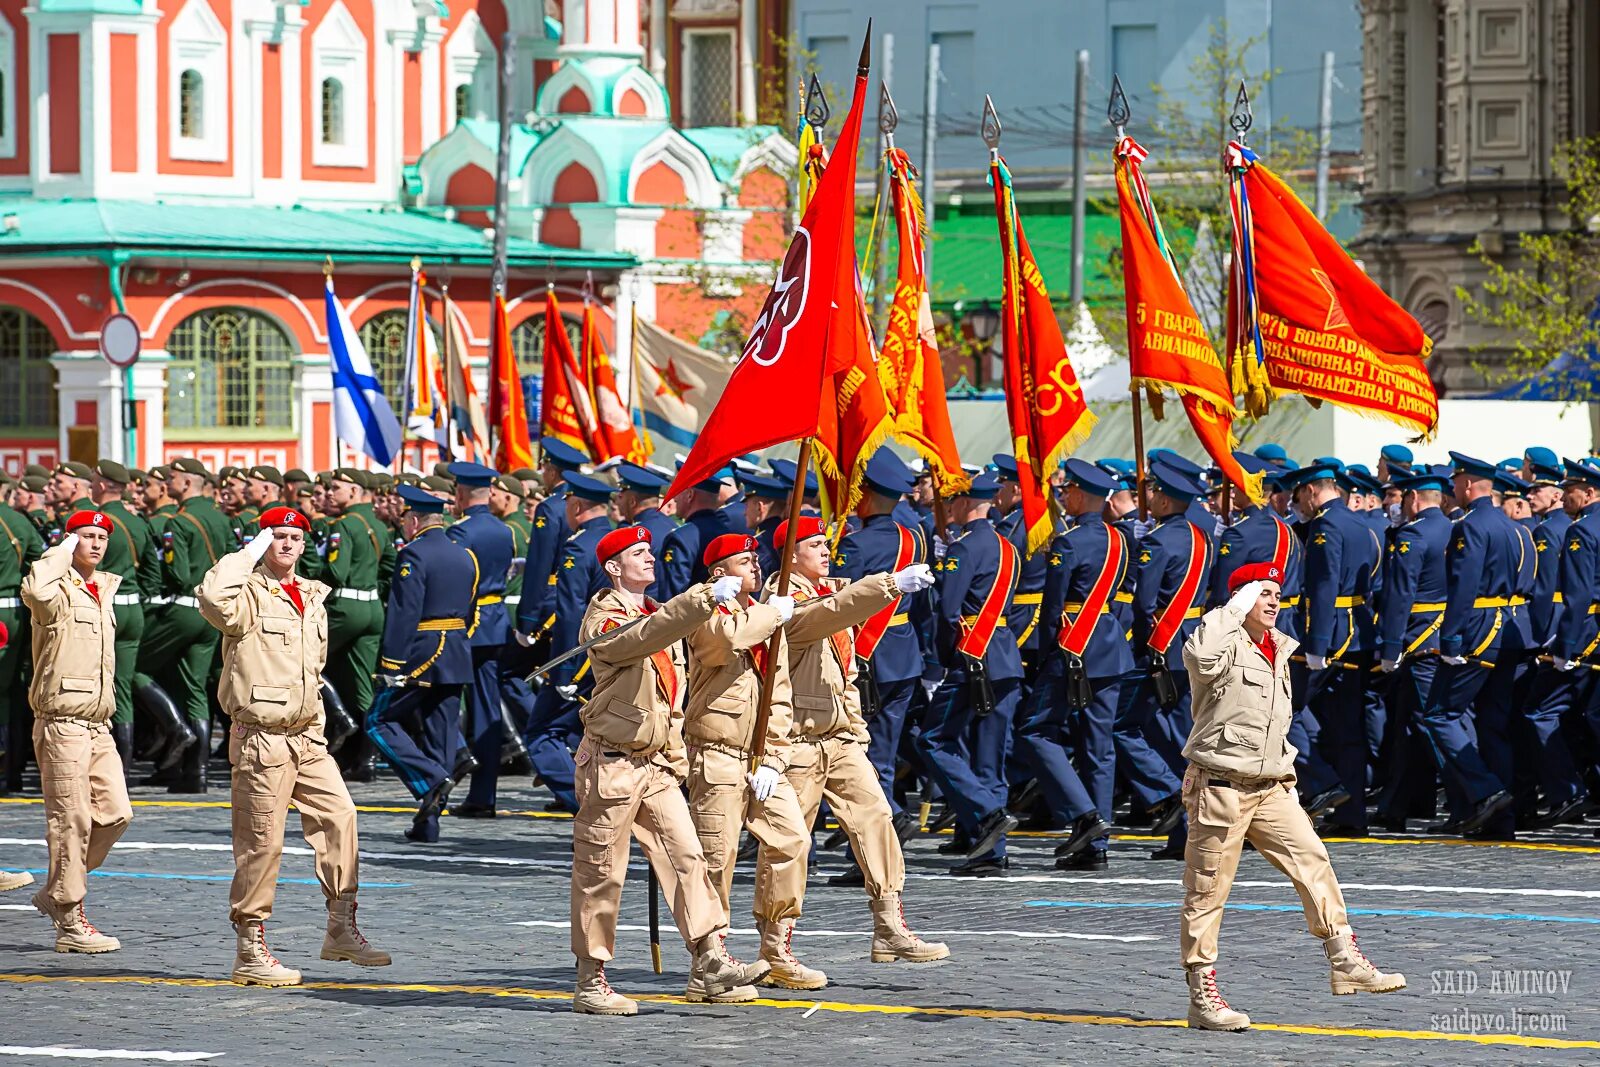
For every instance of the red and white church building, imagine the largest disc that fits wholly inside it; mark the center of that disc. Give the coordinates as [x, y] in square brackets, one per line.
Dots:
[194, 162]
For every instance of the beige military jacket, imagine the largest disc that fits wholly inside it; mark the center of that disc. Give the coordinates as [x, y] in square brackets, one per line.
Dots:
[822, 651]
[1240, 702]
[74, 640]
[725, 684]
[639, 677]
[272, 655]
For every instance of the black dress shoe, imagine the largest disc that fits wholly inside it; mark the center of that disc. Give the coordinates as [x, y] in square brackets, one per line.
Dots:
[556, 806]
[465, 764]
[1488, 834]
[748, 848]
[1394, 824]
[1448, 826]
[1168, 851]
[1166, 815]
[994, 826]
[905, 826]
[1090, 859]
[423, 832]
[365, 771]
[982, 868]
[1486, 809]
[946, 819]
[1085, 831]
[1341, 829]
[853, 876]
[1571, 811]
[959, 845]
[516, 765]
[1326, 801]
[471, 811]
[434, 800]
[835, 839]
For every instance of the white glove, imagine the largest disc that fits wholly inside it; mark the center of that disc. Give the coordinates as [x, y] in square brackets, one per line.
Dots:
[522, 639]
[1316, 663]
[726, 589]
[762, 783]
[258, 545]
[567, 692]
[1244, 599]
[939, 547]
[914, 579]
[390, 680]
[1388, 666]
[71, 543]
[784, 606]
[931, 687]
[1454, 661]
[1566, 665]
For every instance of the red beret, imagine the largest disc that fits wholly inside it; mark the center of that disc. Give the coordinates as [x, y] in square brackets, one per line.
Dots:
[1255, 572]
[727, 545]
[617, 540]
[282, 516]
[88, 518]
[808, 526]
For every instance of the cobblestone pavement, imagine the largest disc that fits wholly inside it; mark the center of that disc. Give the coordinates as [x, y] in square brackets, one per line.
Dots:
[1497, 942]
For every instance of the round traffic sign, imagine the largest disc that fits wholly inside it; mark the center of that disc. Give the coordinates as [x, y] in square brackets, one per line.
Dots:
[119, 340]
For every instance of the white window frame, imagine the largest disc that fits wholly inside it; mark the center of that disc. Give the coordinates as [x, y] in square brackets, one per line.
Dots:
[339, 51]
[471, 60]
[687, 66]
[198, 42]
[8, 77]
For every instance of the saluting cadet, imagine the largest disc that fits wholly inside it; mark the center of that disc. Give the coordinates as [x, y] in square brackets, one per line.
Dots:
[1414, 591]
[765, 503]
[490, 542]
[179, 644]
[700, 508]
[727, 663]
[1343, 558]
[1482, 564]
[533, 616]
[639, 500]
[1174, 562]
[425, 660]
[631, 766]
[967, 733]
[22, 546]
[828, 741]
[1080, 680]
[579, 577]
[1554, 692]
[74, 696]
[132, 553]
[888, 648]
[274, 643]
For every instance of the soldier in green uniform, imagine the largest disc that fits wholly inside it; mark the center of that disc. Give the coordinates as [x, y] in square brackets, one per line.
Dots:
[263, 486]
[294, 480]
[20, 545]
[69, 489]
[131, 551]
[178, 651]
[29, 500]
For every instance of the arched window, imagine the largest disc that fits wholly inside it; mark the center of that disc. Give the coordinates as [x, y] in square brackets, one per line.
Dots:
[191, 104]
[384, 338]
[332, 111]
[463, 102]
[527, 341]
[230, 370]
[27, 380]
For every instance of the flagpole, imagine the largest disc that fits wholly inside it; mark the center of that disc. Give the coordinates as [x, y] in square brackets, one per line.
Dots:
[635, 411]
[1118, 113]
[797, 495]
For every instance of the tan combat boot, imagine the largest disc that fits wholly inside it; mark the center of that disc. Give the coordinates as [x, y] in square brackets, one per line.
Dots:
[14, 880]
[1352, 972]
[893, 940]
[695, 992]
[74, 931]
[344, 941]
[254, 963]
[594, 995]
[1207, 1009]
[718, 971]
[777, 948]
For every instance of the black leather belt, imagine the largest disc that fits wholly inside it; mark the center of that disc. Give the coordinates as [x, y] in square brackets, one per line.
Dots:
[612, 754]
[1221, 783]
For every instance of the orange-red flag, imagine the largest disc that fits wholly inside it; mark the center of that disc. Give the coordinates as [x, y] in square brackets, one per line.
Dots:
[1167, 344]
[775, 391]
[508, 410]
[1308, 316]
[564, 409]
[853, 418]
[908, 365]
[614, 433]
[1044, 401]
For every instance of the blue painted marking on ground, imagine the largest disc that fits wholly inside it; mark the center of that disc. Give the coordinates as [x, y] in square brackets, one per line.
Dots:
[205, 877]
[1420, 913]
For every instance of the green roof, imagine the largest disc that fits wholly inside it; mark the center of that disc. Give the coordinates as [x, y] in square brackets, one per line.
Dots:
[235, 230]
[726, 145]
[523, 139]
[617, 141]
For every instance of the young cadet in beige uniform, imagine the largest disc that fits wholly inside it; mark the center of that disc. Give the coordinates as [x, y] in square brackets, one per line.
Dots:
[274, 644]
[73, 697]
[1240, 786]
[630, 766]
[727, 660]
[828, 741]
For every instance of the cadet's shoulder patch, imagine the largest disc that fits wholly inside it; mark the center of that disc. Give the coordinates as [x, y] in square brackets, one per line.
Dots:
[1574, 544]
[666, 557]
[539, 523]
[569, 563]
[1144, 556]
[1320, 539]
[1055, 559]
[1226, 549]
[405, 570]
[1404, 549]
[1461, 544]
[951, 562]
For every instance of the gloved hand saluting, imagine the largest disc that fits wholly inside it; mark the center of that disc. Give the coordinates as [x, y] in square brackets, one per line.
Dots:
[1244, 598]
[914, 579]
[71, 543]
[762, 783]
[726, 588]
[258, 545]
[784, 606]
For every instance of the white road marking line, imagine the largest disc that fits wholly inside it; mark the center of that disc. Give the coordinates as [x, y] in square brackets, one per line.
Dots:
[17, 907]
[866, 935]
[60, 1052]
[1490, 891]
[812, 1010]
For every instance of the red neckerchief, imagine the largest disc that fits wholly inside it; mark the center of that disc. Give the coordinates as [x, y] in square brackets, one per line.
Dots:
[1267, 647]
[666, 670]
[292, 591]
[842, 642]
[94, 590]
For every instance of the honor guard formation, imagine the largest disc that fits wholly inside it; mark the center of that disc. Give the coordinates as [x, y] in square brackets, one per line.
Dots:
[1410, 647]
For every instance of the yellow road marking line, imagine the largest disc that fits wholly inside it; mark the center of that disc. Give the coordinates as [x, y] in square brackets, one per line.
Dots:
[843, 1007]
[374, 808]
